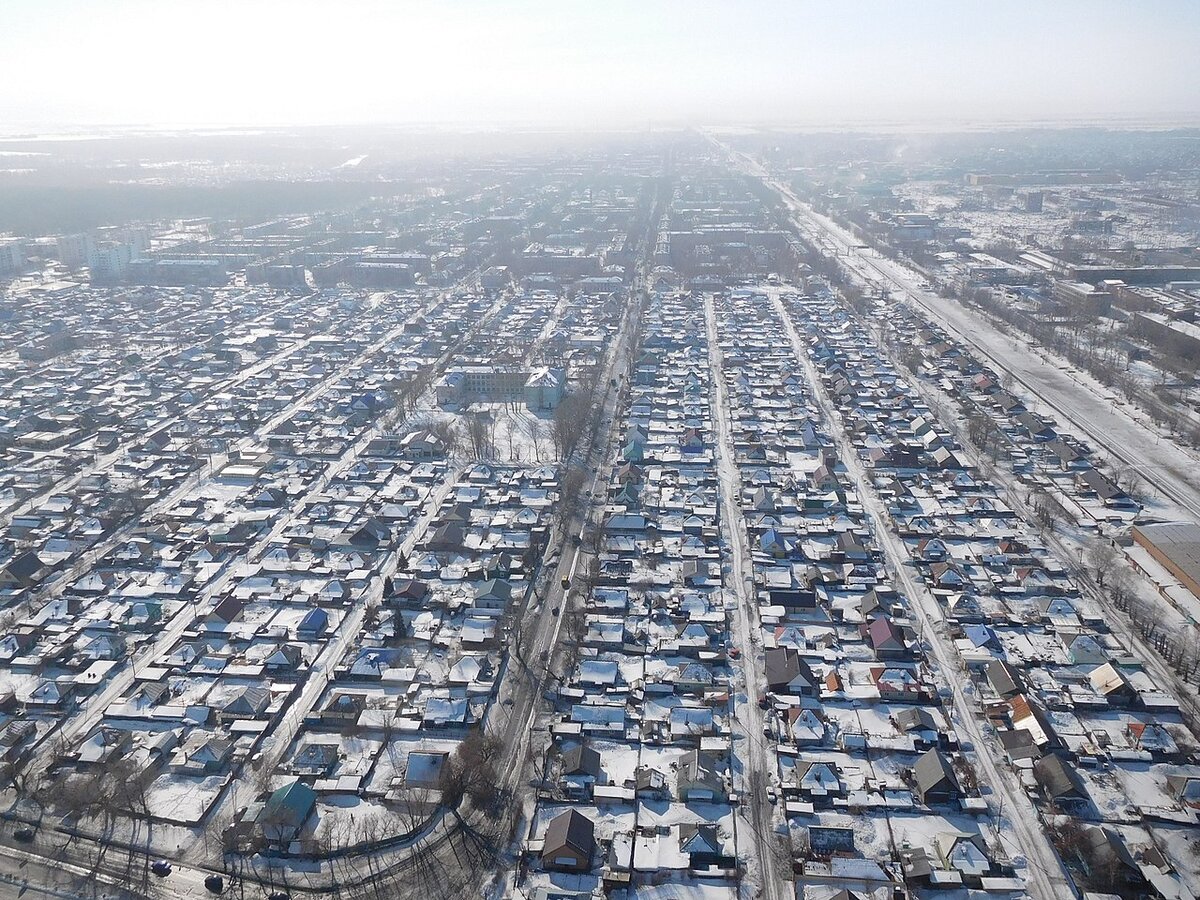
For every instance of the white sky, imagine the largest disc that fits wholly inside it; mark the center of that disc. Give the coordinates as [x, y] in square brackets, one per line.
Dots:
[603, 62]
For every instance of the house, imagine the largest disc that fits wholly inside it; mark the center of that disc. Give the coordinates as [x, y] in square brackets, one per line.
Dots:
[1068, 457]
[1092, 482]
[313, 625]
[1152, 737]
[13, 737]
[1184, 786]
[1035, 428]
[1059, 781]
[788, 673]
[818, 780]
[405, 591]
[805, 726]
[102, 745]
[371, 535]
[1108, 681]
[569, 843]
[22, 570]
[424, 768]
[282, 818]
[202, 754]
[899, 684]
[284, 658]
[703, 846]
[916, 719]
[493, 594]
[422, 444]
[698, 779]
[1003, 678]
[962, 852]
[314, 760]
[1084, 649]
[1028, 716]
[885, 638]
[650, 782]
[227, 611]
[934, 780]
[581, 771]
[1104, 852]
[49, 694]
[248, 703]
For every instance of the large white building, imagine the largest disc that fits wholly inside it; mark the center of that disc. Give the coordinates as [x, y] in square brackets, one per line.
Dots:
[540, 388]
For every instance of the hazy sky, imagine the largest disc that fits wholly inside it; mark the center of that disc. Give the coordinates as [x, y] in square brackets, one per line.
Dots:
[605, 62]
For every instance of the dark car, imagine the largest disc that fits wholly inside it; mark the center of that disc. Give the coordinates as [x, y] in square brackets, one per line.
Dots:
[279, 895]
[161, 868]
[214, 884]
[24, 835]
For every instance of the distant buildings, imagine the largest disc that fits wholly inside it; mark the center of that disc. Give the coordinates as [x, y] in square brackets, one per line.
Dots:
[12, 256]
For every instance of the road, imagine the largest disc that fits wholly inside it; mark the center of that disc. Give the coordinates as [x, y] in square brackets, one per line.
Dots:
[1046, 874]
[748, 716]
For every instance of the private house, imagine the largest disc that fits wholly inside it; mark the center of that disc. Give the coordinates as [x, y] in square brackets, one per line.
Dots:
[283, 816]
[933, 778]
[569, 843]
[788, 673]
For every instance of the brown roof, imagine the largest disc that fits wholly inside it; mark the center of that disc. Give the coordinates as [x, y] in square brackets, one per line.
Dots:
[570, 830]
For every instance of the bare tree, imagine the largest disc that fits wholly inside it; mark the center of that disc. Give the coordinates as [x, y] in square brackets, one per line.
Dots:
[1101, 559]
[471, 773]
[448, 432]
[480, 435]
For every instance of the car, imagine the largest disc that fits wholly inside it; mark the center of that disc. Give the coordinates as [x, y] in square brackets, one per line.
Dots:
[772, 797]
[279, 895]
[566, 582]
[554, 610]
[24, 835]
[161, 868]
[735, 653]
[214, 884]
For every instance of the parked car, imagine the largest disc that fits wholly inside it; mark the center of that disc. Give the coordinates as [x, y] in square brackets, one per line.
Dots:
[214, 884]
[161, 868]
[24, 835]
